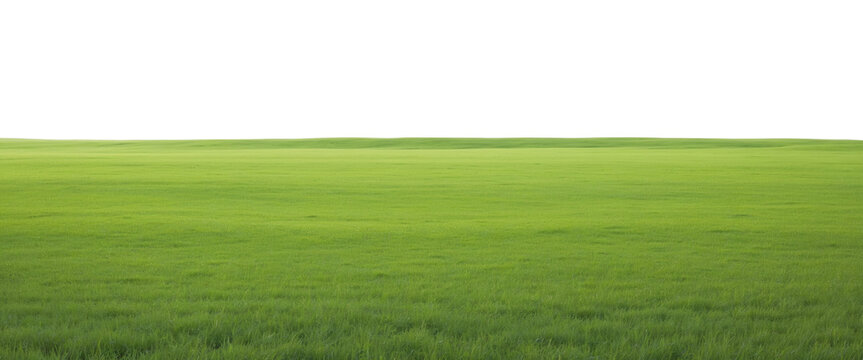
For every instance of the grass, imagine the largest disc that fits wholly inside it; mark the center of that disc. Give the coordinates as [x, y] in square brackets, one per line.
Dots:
[431, 249]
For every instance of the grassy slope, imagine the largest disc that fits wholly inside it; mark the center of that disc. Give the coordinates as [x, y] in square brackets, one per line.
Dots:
[431, 248]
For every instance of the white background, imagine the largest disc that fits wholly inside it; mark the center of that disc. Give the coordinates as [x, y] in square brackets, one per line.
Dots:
[167, 69]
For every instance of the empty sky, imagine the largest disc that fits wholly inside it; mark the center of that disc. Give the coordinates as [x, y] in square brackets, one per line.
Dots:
[289, 69]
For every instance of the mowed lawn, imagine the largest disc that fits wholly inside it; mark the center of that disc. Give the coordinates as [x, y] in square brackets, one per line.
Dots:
[431, 249]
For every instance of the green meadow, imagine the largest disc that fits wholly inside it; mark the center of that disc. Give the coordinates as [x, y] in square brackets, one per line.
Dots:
[431, 249]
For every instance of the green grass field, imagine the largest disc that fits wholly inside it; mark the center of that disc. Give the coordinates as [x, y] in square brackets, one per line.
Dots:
[431, 249]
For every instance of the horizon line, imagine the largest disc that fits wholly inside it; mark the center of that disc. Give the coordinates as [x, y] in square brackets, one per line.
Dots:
[431, 137]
